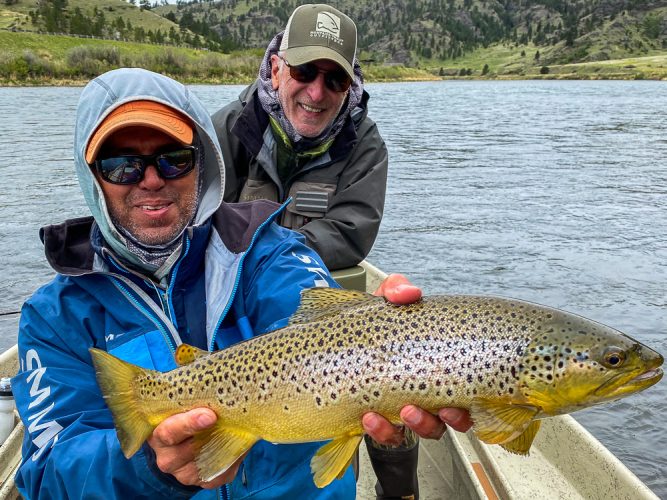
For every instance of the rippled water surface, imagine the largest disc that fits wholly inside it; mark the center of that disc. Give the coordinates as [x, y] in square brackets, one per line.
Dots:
[553, 192]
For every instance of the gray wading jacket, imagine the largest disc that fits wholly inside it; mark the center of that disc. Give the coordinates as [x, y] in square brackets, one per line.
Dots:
[337, 198]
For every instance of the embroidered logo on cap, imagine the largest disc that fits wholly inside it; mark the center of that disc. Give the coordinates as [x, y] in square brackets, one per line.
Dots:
[328, 23]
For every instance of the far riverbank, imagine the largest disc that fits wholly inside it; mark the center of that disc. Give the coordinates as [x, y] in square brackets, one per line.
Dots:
[29, 60]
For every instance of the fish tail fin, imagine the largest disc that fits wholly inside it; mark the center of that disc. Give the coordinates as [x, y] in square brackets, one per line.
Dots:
[116, 380]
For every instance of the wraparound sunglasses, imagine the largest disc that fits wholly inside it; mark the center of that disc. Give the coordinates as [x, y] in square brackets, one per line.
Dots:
[337, 80]
[130, 169]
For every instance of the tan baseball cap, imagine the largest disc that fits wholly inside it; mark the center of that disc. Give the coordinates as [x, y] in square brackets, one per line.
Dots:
[318, 31]
[141, 113]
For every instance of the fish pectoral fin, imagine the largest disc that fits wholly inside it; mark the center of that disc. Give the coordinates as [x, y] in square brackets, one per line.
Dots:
[521, 445]
[500, 422]
[218, 448]
[318, 303]
[186, 354]
[332, 459]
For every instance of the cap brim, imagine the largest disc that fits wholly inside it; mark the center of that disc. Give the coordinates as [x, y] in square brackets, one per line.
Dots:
[302, 55]
[141, 114]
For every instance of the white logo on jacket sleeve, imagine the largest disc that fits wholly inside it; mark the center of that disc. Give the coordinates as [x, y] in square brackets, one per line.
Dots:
[48, 430]
[319, 271]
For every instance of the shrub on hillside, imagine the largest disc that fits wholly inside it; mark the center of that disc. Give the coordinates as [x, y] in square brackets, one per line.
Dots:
[24, 66]
[12, 66]
[167, 62]
[242, 68]
[91, 61]
[36, 65]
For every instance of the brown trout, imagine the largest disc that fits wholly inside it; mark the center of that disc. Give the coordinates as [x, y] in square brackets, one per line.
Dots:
[344, 353]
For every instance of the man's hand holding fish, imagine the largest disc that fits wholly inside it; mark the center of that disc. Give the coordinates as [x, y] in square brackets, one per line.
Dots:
[174, 451]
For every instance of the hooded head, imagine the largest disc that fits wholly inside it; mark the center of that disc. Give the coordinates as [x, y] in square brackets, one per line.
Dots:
[126, 98]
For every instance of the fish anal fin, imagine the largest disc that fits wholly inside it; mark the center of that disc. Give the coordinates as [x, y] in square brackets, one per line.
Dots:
[186, 354]
[500, 422]
[318, 303]
[522, 444]
[218, 448]
[331, 460]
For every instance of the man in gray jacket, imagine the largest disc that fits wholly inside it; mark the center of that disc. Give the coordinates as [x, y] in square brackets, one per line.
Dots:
[302, 131]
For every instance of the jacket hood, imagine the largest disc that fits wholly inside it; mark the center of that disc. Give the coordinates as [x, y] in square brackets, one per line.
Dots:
[104, 94]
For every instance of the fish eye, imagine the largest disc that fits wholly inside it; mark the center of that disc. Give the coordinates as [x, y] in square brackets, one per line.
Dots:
[614, 357]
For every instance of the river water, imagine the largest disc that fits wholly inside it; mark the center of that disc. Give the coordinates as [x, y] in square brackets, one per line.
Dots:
[552, 192]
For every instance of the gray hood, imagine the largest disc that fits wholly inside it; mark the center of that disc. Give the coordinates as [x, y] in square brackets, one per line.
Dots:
[104, 94]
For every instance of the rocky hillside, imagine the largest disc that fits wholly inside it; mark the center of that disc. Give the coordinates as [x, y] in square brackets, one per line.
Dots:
[408, 31]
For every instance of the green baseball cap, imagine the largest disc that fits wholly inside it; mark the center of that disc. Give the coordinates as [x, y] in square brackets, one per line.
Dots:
[318, 31]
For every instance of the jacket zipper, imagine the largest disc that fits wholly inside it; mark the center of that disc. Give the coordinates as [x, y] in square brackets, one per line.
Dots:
[118, 281]
[170, 288]
[225, 491]
[239, 271]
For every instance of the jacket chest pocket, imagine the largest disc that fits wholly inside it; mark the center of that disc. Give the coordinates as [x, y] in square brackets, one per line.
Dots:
[148, 350]
[310, 200]
[258, 190]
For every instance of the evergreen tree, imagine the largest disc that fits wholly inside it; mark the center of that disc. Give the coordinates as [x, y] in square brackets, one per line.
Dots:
[79, 24]
[53, 14]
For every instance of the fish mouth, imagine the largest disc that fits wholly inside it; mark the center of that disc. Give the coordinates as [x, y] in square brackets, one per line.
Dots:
[613, 389]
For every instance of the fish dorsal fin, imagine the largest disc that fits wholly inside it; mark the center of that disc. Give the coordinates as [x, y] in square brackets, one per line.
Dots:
[500, 422]
[218, 448]
[332, 459]
[318, 303]
[186, 354]
[522, 444]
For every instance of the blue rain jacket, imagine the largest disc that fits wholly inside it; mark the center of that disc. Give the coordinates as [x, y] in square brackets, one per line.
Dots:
[236, 274]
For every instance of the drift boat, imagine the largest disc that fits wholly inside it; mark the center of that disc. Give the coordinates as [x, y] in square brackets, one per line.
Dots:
[565, 460]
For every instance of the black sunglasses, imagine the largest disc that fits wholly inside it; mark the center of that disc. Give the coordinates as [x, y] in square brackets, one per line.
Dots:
[130, 169]
[337, 80]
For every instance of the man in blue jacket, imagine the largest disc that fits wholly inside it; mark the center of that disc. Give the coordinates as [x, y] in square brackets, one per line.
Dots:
[161, 261]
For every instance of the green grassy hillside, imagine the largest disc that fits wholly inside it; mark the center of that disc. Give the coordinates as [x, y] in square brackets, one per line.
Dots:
[17, 15]
[110, 19]
[33, 59]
